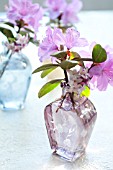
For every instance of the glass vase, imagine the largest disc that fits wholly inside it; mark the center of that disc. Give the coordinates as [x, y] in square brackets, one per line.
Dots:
[69, 125]
[15, 77]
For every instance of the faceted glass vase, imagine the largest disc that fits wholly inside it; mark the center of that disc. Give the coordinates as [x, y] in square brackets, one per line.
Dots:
[69, 127]
[15, 77]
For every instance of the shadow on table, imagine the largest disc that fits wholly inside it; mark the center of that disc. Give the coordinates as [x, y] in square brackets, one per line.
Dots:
[56, 163]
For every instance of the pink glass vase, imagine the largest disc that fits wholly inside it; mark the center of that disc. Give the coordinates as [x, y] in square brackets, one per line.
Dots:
[69, 125]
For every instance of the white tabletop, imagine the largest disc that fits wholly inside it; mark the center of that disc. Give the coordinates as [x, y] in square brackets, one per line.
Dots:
[24, 143]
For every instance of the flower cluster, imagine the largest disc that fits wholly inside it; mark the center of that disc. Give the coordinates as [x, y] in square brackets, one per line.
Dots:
[23, 22]
[66, 50]
[18, 44]
[78, 79]
[63, 12]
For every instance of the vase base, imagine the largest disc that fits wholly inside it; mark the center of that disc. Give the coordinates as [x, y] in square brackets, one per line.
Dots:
[11, 107]
[67, 155]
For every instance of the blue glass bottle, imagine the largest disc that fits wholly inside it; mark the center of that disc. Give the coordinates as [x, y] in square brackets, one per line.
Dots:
[15, 77]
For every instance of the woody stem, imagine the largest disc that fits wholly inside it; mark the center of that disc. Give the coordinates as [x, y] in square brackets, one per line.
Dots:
[66, 76]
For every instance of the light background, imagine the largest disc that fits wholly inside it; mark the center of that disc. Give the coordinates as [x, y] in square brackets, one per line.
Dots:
[88, 4]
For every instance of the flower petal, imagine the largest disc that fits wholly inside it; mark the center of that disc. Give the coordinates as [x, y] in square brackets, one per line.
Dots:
[102, 82]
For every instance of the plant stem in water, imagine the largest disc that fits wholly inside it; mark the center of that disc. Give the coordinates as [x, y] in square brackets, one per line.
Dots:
[7, 62]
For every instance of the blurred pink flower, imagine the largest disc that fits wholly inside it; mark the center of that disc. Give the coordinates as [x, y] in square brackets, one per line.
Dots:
[66, 11]
[55, 8]
[25, 10]
[69, 15]
[102, 74]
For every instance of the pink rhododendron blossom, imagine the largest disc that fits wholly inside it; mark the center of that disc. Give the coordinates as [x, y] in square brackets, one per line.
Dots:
[55, 38]
[25, 10]
[88, 53]
[72, 39]
[58, 37]
[47, 47]
[55, 8]
[69, 15]
[103, 74]
[109, 51]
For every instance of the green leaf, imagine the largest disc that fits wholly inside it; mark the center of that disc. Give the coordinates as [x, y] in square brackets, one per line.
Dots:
[99, 54]
[36, 42]
[28, 30]
[67, 64]
[45, 67]
[49, 87]
[86, 91]
[10, 24]
[60, 55]
[11, 40]
[22, 33]
[46, 72]
[74, 56]
[7, 32]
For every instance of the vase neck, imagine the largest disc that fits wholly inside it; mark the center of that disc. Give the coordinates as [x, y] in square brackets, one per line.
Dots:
[73, 96]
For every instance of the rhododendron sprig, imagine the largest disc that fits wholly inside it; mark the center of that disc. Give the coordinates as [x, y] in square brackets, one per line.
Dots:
[64, 50]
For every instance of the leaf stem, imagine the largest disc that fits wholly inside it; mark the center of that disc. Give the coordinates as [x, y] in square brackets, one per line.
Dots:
[84, 59]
